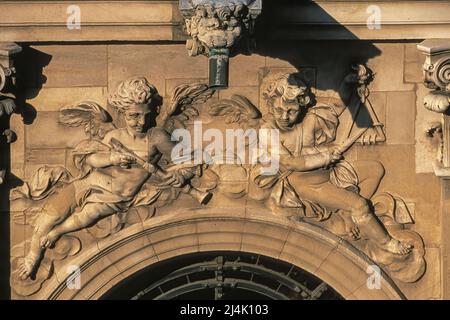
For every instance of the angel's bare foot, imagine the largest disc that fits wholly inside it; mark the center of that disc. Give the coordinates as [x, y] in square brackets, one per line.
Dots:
[351, 228]
[48, 240]
[26, 267]
[398, 247]
[354, 232]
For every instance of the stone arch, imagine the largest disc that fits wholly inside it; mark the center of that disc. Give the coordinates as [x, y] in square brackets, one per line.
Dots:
[306, 246]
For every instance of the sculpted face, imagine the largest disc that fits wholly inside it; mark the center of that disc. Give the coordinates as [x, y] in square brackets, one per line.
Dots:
[136, 117]
[285, 113]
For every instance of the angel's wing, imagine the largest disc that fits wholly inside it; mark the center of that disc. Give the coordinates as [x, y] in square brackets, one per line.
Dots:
[238, 110]
[96, 120]
[182, 108]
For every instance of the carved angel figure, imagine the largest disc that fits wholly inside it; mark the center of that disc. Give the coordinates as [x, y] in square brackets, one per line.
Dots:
[119, 168]
[313, 175]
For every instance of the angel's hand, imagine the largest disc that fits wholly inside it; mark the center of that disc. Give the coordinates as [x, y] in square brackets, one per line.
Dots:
[370, 137]
[120, 159]
[334, 155]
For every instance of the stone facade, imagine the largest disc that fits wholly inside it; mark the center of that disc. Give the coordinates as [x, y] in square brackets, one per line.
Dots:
[57, 74]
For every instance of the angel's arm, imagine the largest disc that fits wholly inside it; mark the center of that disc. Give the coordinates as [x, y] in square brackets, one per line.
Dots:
[306, 162]
[99, 160]
[287, 161]
[160, 138]
[107, 158]
[298, 163]
[164, 145]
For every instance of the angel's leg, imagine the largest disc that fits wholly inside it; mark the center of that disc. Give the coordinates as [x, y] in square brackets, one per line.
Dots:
[58, 207]
[369, 173]
[334, 197]
[88, 216]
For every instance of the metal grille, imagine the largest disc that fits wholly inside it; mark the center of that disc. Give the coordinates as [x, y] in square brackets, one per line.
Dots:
[223, 276]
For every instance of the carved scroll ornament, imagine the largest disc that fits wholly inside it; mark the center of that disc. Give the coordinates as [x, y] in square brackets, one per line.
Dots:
[436, 76]
[436, 73]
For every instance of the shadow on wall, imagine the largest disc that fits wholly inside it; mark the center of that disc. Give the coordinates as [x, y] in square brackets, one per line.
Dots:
[330, 59]
[29, 65]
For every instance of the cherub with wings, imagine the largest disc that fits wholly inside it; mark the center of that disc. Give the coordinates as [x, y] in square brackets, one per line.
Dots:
[313, 173]
[119, 167]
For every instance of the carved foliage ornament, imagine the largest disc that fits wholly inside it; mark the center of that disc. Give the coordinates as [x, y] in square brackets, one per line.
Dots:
[436, 72]
[218, 28]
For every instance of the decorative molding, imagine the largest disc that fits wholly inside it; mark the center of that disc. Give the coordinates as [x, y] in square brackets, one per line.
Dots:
[39, 21]
[348, 20]
[222, 229]
[27, 21]
[218, 29]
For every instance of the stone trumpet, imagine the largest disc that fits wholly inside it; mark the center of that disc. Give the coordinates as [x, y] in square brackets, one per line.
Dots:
[201, 196]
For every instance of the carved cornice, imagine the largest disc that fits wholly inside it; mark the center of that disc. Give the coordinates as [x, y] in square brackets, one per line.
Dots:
[160, 20]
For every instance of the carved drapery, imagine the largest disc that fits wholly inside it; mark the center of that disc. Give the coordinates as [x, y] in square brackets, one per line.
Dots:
[218, 29]
[48, 204]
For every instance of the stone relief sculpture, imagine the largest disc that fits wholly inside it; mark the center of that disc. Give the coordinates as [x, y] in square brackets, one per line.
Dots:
[119, 168]
[315, 181]
[127, 174]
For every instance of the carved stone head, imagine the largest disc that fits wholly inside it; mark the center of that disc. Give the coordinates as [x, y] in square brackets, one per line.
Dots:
[285, 98]
[137, 101]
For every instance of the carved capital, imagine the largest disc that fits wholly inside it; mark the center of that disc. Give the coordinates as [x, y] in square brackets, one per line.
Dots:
[218, 28]
[436, 74]
[7, 70]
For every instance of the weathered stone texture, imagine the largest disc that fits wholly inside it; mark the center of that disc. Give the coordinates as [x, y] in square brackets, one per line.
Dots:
[87, 72]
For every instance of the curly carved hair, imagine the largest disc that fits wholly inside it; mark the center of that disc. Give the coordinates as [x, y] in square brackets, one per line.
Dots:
[136, 90]
[278, 89]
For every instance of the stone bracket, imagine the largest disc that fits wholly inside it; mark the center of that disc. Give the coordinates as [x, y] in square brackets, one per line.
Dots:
[217, 29]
